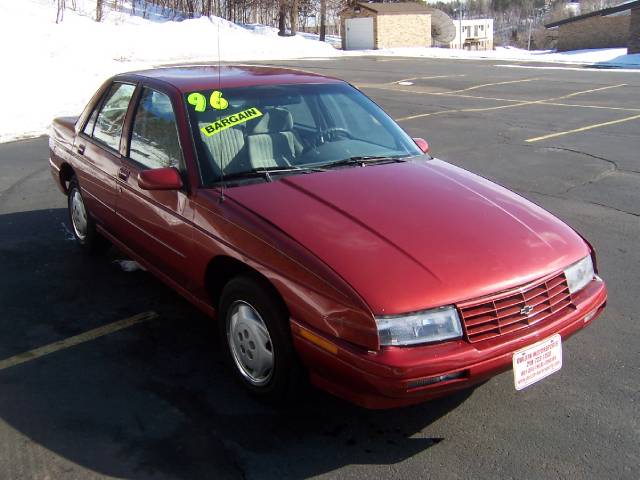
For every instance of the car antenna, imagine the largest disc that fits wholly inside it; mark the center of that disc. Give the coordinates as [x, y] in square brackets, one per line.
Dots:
[220, 156]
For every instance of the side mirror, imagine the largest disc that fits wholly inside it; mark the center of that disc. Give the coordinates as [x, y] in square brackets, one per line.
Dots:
[422, 144]
[160, 179]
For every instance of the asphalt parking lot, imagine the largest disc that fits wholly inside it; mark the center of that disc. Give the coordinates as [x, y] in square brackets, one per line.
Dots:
[147, 397]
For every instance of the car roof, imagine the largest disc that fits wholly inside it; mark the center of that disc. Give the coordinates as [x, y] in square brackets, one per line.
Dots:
[203, 77]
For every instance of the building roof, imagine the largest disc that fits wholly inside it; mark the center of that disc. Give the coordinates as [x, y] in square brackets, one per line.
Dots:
[598, 13]
[394, 8]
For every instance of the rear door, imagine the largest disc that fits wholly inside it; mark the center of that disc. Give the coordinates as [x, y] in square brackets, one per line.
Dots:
[97, 148]
[156, 224]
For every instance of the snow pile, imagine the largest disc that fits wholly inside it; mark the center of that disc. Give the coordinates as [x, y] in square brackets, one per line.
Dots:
[606, 57]
[53, 69]
[334, 40]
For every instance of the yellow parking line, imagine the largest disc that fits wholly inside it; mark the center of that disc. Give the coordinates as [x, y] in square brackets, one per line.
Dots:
[76, 340]
[599, 107]
[426, 78]
[592, 90]
[449, 93]
[421, 115]
[475, 87]
[501, 107]
[389, 87]
[582, 129]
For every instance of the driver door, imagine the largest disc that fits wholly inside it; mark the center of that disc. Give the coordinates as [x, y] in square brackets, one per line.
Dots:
[156, 224]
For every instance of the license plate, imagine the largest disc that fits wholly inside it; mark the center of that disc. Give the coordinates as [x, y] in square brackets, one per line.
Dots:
[537, 361]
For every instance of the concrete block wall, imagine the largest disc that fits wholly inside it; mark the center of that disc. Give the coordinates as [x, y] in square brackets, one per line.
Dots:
[594, 32]
[393, 31]
[634, 32]
[396, 31]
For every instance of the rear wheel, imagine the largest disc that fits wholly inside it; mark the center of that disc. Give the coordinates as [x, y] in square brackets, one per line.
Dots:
[254, 328]
[82, 224]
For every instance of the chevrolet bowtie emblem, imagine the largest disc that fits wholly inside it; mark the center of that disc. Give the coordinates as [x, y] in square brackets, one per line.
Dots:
[526, 310]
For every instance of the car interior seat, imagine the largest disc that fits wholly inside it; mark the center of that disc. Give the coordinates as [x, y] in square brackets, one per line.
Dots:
[226, 150]
[271, 141]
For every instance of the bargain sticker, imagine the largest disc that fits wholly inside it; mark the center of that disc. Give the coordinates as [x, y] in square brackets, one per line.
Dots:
[231, 121]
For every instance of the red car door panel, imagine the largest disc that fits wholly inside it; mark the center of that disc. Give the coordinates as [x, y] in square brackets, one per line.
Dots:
[155, 223]
[96, 150]
[96, 170]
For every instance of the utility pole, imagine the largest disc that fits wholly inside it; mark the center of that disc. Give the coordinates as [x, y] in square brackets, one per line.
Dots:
[459, 10]
[460, 23]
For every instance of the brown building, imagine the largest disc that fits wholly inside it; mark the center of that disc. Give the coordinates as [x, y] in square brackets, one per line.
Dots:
[366, 26]
[601, 30]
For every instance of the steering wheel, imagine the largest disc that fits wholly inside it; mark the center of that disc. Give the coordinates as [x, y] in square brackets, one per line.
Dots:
[331, 134]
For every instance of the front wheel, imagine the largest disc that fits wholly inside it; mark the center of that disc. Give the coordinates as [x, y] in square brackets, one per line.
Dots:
[82, 224]
[254, 328]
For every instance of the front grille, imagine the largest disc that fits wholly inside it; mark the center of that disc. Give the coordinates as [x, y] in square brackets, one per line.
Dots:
[506, 312]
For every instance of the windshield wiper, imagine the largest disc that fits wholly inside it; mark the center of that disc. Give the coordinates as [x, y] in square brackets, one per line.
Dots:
[267, 172]
[362, 160]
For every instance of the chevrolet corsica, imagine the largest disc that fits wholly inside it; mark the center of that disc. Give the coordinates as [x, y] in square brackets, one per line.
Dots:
[326, 242]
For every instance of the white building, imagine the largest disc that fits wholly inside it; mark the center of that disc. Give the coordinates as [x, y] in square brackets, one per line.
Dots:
[477, 34]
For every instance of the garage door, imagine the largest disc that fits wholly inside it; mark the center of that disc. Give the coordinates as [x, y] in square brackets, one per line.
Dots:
[359, 33]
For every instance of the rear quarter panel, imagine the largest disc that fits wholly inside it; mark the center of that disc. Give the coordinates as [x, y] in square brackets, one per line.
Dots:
[61, 139]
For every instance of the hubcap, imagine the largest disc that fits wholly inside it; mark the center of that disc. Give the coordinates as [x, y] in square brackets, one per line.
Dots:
[78, 215]
[250, 343]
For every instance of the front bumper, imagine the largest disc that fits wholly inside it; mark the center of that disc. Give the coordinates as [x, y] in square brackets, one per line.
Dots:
[399, 376]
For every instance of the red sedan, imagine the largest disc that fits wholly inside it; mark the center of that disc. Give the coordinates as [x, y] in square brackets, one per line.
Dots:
[326, 241]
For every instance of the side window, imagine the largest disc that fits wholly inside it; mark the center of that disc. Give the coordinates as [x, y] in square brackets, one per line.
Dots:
[88, 128]
[154, 135]
[108, 126]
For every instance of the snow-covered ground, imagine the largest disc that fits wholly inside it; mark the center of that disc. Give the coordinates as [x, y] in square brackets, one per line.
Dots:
[53, 69]
[334, 40]
[606, 57]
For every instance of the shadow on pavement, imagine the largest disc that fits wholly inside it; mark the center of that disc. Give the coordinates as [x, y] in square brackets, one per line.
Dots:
[154, 401]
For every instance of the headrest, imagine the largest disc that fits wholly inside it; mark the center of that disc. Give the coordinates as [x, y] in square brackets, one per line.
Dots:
[273, 120]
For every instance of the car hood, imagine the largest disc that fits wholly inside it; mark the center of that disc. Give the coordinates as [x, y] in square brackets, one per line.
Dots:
[418, 234]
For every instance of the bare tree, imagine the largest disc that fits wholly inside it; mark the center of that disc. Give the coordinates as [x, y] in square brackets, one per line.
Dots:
[60, 14]
[293, 16]
[323, 19]
[282, 17]
[99, 10]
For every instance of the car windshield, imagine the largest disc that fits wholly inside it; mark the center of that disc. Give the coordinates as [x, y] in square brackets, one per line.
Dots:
[285, 129]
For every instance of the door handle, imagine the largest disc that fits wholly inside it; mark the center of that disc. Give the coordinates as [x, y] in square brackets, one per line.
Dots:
[123, 173]
[81, 149]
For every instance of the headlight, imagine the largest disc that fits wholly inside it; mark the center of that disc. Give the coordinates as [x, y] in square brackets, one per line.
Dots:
[579, 274]
[421, 327]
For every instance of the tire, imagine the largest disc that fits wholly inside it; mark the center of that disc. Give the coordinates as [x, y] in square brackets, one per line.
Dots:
[83, 226]
[253, 324]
